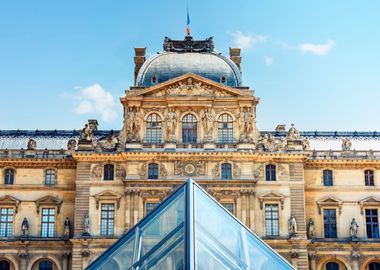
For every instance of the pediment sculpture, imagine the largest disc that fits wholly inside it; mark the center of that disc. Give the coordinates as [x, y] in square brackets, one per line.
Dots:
[268, 142]
[107, 143]
[190, 87]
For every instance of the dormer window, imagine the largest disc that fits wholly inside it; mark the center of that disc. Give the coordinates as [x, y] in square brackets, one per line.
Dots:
[223, 79]
[154, 79]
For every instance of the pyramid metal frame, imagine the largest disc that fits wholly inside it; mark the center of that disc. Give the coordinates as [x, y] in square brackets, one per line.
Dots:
[186, 189]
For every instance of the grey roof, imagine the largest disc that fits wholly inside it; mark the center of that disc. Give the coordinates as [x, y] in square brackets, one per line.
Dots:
[168, 65]
[57, 139]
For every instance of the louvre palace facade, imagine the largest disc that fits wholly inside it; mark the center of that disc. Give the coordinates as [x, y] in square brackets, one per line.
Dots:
[67, 195]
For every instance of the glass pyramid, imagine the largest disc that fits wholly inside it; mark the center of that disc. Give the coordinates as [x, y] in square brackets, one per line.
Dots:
[189, 230]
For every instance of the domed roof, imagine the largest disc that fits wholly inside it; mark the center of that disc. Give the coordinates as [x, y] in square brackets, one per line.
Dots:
[180, 58]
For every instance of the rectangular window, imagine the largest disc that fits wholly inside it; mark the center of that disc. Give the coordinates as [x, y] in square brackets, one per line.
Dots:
[369, 178]
[9, 176]
[271, 220]
[372, 223]
[107, 220]
[329, 223]
[108, 172]
[47, 222]
[270, 172]
[229, 207]
[149, 207]
[6, 222]
[226, 171]
[328, 178]
[50, 176]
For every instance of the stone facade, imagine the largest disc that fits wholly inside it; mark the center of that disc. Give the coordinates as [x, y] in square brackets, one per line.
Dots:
[83, 182]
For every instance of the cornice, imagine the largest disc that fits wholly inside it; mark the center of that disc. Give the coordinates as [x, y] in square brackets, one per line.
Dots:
[141, 156]
[38, 163]
[342, 163]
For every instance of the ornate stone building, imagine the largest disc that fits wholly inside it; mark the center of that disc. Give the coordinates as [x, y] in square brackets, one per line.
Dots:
[67, 195]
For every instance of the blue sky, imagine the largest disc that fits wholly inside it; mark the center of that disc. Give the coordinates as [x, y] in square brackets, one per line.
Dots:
[312, 63]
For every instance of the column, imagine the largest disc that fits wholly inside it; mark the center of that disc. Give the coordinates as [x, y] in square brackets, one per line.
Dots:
[251, 210]
[294, 259]
[313, 261]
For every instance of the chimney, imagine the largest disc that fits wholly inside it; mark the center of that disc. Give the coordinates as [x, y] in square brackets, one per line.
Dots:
[139, 60]
[235, 56]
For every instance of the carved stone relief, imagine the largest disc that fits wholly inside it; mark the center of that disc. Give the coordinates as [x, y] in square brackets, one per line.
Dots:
[247, 125]
[258, 172]
[171, 125]
[216, 170]
[142, 170]
[237, 170]
[268, 142]
[163, 171]
[96, 171]
[120, 171]
[189, 168]
[133, 121]
[208, 125]
[283, 172]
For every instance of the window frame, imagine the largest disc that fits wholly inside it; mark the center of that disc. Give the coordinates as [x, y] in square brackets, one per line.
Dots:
[270, 172]
[225, 203]
[272, 221]
[108, 172]
[369, 173]
[225, 133]
[226, 171]
[154, 169]
[46, 174]
[329, 236]
[8, 227]
[371, 224]
[189, 129]
[50, 224]
[153, 134]
[11, 177]
[107, 231]
[328, 178]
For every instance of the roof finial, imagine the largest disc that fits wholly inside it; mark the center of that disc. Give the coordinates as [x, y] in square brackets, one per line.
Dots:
[188, 21]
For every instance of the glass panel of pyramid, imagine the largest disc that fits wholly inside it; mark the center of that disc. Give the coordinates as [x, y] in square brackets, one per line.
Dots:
[189, 230]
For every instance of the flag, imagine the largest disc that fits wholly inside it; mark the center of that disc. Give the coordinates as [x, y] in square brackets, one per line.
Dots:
[188, 23]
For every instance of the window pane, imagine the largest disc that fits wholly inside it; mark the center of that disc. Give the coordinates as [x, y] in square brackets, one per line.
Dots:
[153, 171]
[329, 221]
[189, 129]
[6, 222]
[225, 129]
[153, 128]
[107, 220]
[48, 222]
[226, 171]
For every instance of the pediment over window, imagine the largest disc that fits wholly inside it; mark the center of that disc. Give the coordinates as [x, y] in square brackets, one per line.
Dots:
[107, 195]
[329, 201]
[368, 202]
[8, 200]
[49, 201]
[225, 193]
[270, 197]
[188, 85]
[155, 193]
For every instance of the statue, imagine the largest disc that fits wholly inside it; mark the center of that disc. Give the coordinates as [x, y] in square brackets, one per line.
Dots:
[25, 227]
[66, 228]
[310, 228]
[86, 225]
[346, 144]
[292, 226]
[133, 119]
[268, 142]
[293, 134]
[32, 144]
[354, 228]
[171, 125]
[247, 124]
[306, 144]
[107, 143]
[86, 134]
[71, 144]
[208, 124]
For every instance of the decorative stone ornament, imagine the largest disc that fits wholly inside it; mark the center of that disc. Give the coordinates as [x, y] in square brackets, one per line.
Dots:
[86, 225]
[171, 125]
[310, 228]
[346, 144]
[25, 227]
[293, 134]
[133, 121]
[71, 145]
[208, 125]
[292, 226]
[354, 227]
[66, 228]
[32, 144]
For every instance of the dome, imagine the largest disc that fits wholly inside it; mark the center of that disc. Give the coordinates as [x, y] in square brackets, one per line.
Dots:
[173, 63]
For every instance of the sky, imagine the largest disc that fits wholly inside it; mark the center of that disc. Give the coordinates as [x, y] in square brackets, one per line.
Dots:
[312, 63]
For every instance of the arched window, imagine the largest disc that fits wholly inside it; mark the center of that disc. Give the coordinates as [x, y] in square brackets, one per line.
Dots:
[225, 128]
[153, 171]
[108, 172]
[332, 266]
[9, 176]
[226, 171]
[189, 129]
[270, 172]
[153, 128]
[328, 178]
[45, 265]
[374, 266]
[50, 177]
[5, 265]
[369, 178]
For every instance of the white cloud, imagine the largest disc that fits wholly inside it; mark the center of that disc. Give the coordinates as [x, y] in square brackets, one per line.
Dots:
[318, 49]
[268, 60]
[95, 99]
[246, 41]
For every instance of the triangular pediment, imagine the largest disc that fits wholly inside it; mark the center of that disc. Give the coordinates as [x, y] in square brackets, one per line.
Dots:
[189, 85]
[8, 200]
[49, 201]
[368, 202]
[107, 195]
[271, 196]
[329, 201]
